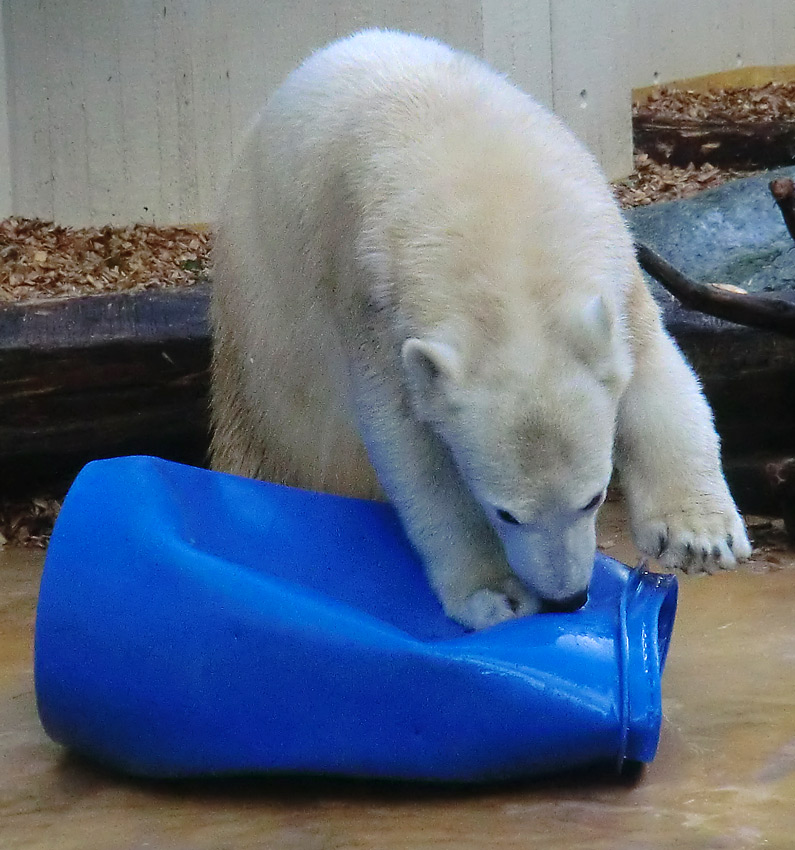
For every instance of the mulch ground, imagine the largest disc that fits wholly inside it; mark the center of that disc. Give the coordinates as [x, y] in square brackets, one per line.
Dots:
[40, 260]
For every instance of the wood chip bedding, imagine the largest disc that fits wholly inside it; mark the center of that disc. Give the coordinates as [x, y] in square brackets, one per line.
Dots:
[771, 102]
[41, 260]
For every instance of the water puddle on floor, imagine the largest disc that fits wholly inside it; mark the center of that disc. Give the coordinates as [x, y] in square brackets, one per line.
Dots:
[724, 776]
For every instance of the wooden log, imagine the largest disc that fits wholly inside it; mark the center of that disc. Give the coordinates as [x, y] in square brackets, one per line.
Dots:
[748, 377]
[728, 144]
[90, 377]
[119, 374]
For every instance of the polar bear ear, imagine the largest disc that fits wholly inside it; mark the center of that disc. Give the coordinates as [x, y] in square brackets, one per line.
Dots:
[431, 367]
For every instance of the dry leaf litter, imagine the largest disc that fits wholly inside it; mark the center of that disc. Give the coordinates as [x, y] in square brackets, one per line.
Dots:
[771, 102]
[652, 182]
[28, 522]
[40, 260]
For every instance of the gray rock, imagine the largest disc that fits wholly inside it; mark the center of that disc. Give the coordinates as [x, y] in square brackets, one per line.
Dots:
[733, 234]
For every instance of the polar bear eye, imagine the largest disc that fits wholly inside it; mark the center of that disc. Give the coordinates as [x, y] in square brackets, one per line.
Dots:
[508, 517]
[594, 503]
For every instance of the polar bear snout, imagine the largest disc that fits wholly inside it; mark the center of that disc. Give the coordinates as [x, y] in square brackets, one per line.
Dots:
[555, 563]
[564, 606]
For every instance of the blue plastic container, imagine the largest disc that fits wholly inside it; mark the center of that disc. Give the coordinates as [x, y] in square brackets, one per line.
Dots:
[193, 623]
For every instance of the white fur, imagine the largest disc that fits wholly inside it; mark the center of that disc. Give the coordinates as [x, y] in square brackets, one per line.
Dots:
[420, 271]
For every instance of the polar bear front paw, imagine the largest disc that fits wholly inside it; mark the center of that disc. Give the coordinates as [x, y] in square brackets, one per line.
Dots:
[694, 540]
[487, 607]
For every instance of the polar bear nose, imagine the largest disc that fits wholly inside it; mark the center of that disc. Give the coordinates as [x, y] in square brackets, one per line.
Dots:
[565, 606]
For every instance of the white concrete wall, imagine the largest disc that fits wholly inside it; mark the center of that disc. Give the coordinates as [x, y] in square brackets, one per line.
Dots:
[5, 143]
[678, 39]
[127, 110]
[124, 110]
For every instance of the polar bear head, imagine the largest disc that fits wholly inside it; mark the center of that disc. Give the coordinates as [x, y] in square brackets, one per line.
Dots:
[530, 423]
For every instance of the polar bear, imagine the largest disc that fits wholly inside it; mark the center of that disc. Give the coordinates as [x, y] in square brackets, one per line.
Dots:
[424, 290]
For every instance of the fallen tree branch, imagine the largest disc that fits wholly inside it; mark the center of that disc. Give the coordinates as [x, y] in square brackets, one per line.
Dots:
[757, 311]
[783, 190]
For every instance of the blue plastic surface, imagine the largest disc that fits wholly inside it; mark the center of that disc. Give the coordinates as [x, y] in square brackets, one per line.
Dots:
[194, 623]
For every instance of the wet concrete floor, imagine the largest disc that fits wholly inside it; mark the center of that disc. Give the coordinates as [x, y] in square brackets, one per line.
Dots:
[724, 777]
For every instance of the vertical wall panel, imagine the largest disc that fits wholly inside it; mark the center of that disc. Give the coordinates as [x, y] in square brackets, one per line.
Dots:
[5, 140]
[517, 41]
[214, 130]
[782, 36]
[590, 76]
[755, 42]
[176, 124]
[63, 69]
[679, 38]
[28, 87]
[99, 92]
[138, 195]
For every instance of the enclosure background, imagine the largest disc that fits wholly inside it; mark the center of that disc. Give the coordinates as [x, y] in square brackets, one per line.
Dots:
[128, 110]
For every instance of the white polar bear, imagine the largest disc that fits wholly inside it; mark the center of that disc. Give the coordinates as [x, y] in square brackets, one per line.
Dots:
[423, 287]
